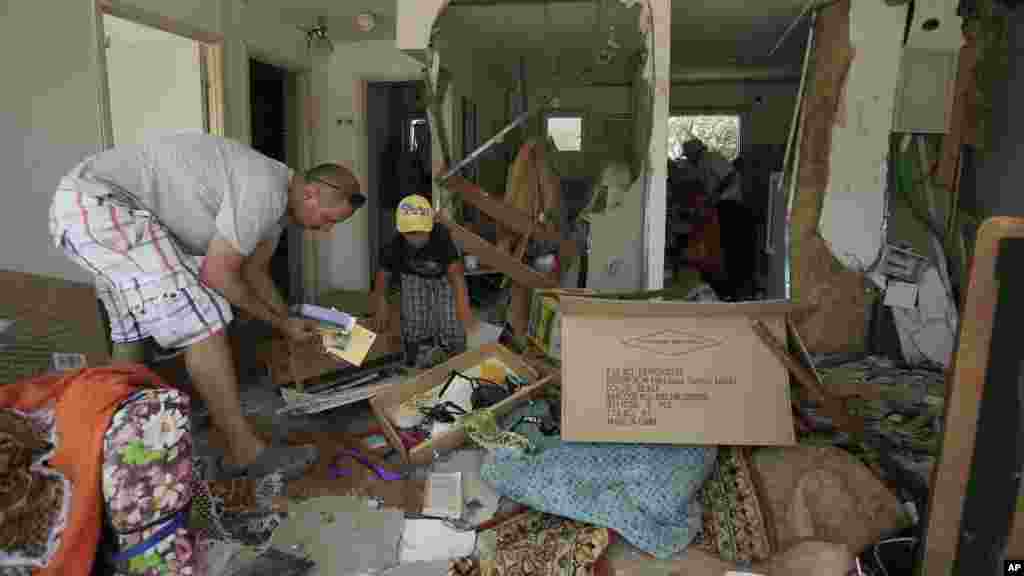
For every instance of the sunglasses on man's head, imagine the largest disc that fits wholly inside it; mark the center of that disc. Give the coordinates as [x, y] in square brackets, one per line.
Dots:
[356, 200]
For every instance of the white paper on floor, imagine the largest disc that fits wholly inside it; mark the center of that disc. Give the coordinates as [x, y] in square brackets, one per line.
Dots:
[901, 294]
[344, 536]
[427, 540]
[486, 334]
[460, 393]
[437, 568]
[928, 331]
[468, 462]
[215, 556]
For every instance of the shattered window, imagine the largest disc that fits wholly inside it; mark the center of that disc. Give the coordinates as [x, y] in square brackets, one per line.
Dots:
[719, 132]
[566, 132]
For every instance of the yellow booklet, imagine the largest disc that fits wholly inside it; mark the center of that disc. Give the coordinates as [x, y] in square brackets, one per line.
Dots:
[352, 347]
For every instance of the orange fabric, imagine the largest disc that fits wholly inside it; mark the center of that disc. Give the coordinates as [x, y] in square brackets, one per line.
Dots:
[84, 402]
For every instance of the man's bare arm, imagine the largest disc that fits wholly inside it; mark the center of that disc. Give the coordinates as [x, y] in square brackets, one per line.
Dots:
[256, 272]
[222, 271]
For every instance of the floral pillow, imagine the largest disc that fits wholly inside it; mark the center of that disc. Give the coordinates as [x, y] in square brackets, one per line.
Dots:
[147, 473]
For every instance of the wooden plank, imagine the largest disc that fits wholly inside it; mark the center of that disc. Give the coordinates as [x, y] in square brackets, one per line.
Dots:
[839, 299]
[126, 11]
[386, 401]
[423, 453]
[830, 405]
[962, 407]
[214, 56]
[492, 256]
[509, 216]
[961, 119]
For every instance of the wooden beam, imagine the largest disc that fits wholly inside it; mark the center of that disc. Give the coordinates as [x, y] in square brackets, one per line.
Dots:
[830, 405]
[961, 117]
[490, 255]
[509, 216]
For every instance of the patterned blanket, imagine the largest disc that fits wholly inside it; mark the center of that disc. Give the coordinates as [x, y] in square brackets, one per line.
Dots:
[34, 499]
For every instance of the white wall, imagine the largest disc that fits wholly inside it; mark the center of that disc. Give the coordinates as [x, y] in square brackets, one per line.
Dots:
[49, 120]
[341, 138]
[764, 123]
[50, 109]
[154, 81]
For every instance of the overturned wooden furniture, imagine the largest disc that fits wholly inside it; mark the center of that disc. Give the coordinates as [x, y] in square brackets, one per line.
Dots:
[974, 515]
[511, 219]
[385, 403]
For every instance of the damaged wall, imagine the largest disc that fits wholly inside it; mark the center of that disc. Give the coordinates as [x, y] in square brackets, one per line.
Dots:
[53, 116]
[854, 203]
[763, 122]
[841, 299]
[488, 84]
[416, 19]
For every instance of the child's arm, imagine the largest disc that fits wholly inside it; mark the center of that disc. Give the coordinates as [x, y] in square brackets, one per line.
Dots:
[457, 278]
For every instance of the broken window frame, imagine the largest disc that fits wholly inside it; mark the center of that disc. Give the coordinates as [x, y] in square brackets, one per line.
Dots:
[572, 115]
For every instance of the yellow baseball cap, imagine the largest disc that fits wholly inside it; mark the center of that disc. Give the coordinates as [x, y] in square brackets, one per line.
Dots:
[414, 214]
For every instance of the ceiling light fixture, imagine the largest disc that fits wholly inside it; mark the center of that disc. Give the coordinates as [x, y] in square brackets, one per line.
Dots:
[366, 22]
[317, 34]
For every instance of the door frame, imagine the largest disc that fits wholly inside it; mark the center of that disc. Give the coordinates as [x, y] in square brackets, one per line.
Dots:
[304, 271]
[362, 139]
[211, 63]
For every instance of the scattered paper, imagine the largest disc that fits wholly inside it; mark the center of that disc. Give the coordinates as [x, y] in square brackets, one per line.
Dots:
[342, 535]
[67, 361]
[303, 403]
[487, 333]
[352, 346]
[437, 568]
[329, 315]
[474, 489]
[901, 294]
[426, 540]
[443, 495]
[928, 330]
[6, 334]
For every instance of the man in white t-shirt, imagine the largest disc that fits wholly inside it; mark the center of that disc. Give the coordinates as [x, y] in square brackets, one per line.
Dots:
[177, 229]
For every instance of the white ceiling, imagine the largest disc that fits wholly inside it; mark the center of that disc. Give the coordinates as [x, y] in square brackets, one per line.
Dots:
[340, 15]
[705, 34]
[740, 31]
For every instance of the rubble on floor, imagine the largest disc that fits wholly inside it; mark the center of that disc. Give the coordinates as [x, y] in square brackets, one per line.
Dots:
[536, 505]
[738, 525]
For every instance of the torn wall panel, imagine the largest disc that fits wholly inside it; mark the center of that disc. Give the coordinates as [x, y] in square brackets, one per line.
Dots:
[853, 211]
[416, 19]
[838, 296]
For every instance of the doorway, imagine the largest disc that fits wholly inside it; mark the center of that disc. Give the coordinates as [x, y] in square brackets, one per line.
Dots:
[155, 79]
[398, 156]
[274, 104]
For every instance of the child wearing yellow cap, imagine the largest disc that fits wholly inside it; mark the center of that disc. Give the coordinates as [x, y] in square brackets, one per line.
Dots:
[427, 265]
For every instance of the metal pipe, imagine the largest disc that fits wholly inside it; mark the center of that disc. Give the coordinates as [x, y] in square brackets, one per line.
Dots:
[812, 5]
[490, 143]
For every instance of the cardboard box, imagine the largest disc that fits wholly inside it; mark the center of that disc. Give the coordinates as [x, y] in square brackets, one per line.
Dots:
[673, 373]
[386, 401]
[297, 363]
[545, 327]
